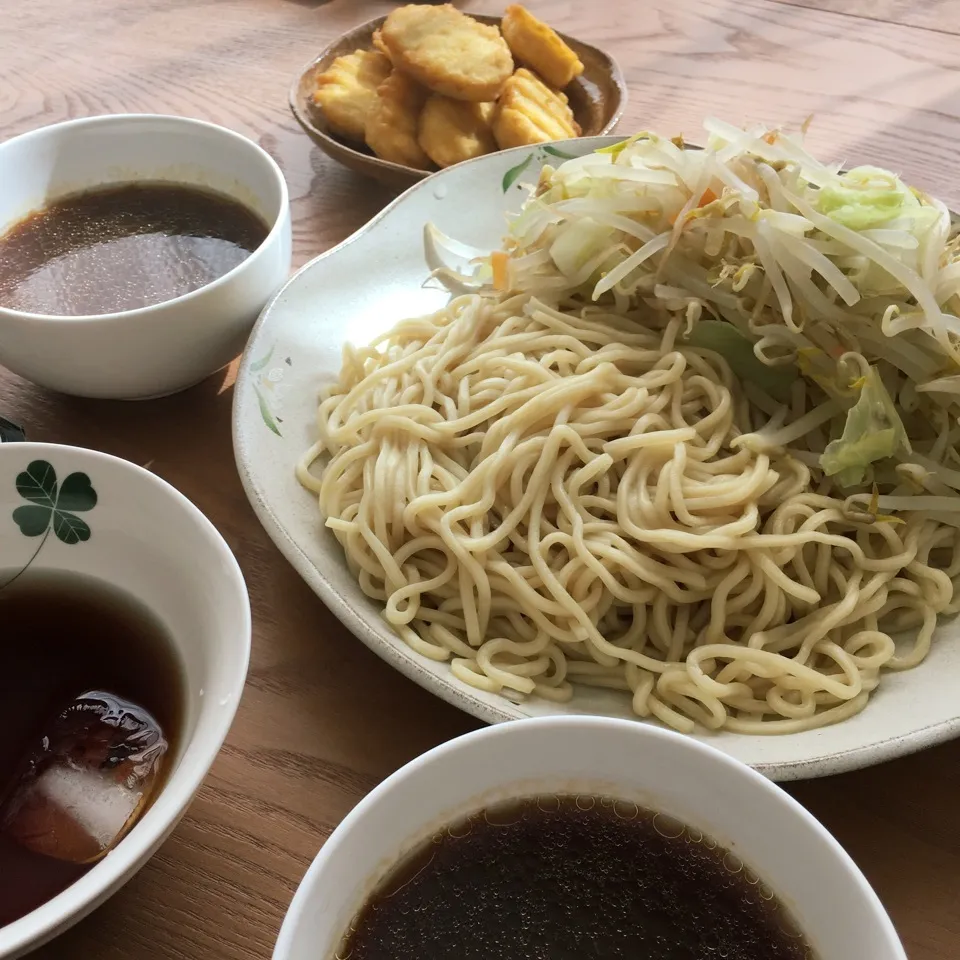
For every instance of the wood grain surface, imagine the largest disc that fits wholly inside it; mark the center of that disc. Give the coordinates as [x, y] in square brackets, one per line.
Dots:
[322, 719]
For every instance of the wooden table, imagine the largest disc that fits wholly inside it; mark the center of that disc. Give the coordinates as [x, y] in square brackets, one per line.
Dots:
[322, 719]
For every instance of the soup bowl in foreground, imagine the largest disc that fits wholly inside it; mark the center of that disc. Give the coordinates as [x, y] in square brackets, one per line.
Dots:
[772, 834]
[96, 517]
[169, 346]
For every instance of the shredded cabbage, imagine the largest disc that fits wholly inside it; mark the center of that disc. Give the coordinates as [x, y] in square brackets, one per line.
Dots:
[866, 197]
[873, 431]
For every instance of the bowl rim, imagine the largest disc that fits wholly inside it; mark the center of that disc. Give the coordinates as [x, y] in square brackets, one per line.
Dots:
[236, 141]
[401, 169]
[701, 753]
[91, 889]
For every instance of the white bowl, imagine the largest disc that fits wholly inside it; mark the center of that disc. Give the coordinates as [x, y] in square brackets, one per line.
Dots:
[164, 348]
[662, 770]
[147, 540]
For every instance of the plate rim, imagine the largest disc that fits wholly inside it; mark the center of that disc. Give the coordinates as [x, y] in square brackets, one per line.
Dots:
[450, 689]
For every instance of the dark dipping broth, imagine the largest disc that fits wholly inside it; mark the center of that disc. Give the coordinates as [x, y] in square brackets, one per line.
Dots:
[570, 878]
[122, 247]
[60, 638]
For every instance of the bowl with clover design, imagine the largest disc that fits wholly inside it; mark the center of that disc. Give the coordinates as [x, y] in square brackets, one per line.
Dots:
[78, 515]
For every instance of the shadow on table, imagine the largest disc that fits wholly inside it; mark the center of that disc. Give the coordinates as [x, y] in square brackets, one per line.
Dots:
[185, 438]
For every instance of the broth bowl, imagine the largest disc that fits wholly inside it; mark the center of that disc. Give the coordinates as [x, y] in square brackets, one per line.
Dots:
[169, 346]
[664, 771]
[124, 526]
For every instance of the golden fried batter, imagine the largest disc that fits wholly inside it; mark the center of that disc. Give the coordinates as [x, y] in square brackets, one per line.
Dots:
[447, 51]
[392, 122]
[377, 40]
[347, 90]
[537, 45]
[455, 130]
[530, 112]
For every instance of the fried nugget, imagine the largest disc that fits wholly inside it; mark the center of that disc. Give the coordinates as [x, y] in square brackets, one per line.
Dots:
[392, 122]
[530, 112]
[455, 130]
[377, 40]
[447, 51]
[347, 90]
[534, 43]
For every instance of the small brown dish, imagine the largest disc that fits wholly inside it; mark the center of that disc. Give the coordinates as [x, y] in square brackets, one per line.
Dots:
[597, 98]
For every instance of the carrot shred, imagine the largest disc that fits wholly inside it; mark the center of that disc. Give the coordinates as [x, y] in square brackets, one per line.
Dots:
[708, 196]
[499, 262]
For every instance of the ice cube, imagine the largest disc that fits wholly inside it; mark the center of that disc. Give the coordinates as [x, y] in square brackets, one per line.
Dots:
[85, 783]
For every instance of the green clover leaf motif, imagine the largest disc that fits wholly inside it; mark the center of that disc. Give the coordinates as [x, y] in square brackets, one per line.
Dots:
[52, 505]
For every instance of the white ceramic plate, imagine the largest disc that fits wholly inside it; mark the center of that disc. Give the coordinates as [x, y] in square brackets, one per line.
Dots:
[360, 289]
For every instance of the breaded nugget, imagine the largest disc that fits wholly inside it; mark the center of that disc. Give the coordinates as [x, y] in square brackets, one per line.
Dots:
[377, 40]
[530, 112]
[347, 90]
[455, 130]
[447, 51]
[537, 45]
[392, 122]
